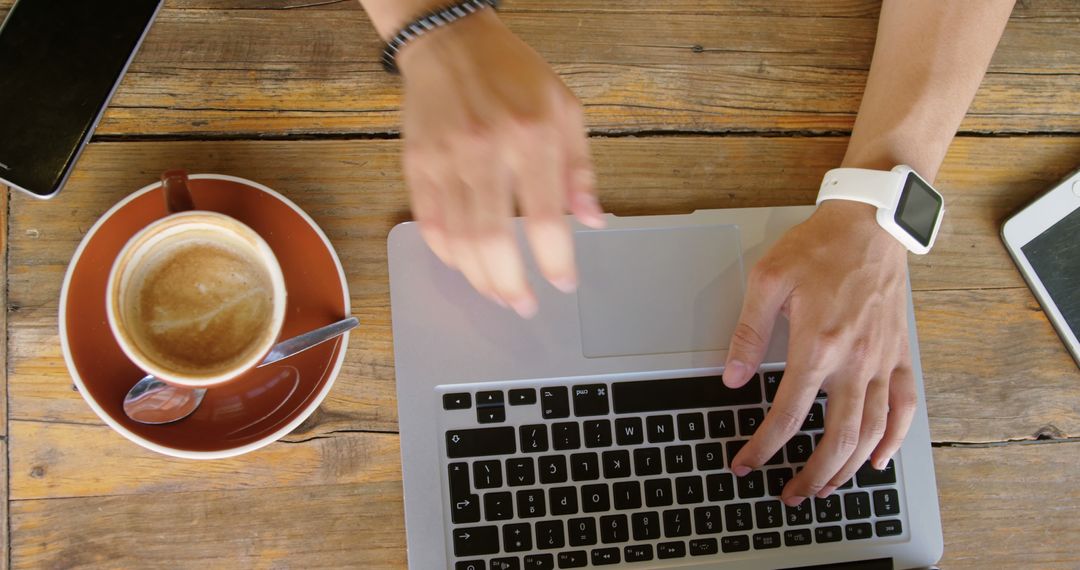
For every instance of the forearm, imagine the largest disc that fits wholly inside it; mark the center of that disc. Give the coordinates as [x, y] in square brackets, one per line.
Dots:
[389, 16]
[929, 59]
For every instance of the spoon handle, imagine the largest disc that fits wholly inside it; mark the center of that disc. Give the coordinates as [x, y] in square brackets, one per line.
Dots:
[298, 344]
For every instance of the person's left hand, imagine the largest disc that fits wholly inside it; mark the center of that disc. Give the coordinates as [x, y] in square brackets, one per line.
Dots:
[841, 280]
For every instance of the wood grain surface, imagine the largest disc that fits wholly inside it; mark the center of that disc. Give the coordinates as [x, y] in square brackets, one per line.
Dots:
[692, 103]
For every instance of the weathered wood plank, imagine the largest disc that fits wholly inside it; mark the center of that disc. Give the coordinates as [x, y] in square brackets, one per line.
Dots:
[720, 67]
[992, 337]
[5, 535]
[3, 307]
[1010, 506]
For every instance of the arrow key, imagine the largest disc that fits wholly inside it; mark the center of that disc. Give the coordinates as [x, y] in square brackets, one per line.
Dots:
[476, 541]
[465, 510]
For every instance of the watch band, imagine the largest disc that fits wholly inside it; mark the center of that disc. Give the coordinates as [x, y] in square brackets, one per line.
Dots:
[875, 187]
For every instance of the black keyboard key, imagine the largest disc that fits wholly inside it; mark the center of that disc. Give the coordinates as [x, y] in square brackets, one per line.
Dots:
[888, 528]
[666, 550]
[886, 503]
[563, 500]
[658, 492]
[458, 474]
[707, 520]
[703, 547]
[487, 474]
[457, 401]
[573, 559]
[801, 514]
[646, 526]
[539, 561]
[737, 517]
[766, 540]
[522, 397]
[678, 459]
[680, 394]
[823, 534]
[490, 398]
[598, 433]
[530, 503]
[614, 528]
[554, 403]
[552, 469]
[465, 509]
[721, 424]
[688, 490]
[582, 532]
[520, 471]
[691, 426]
[584, 467]
[870, 477]
[616, 463]
[738, 543]
[480, 442]
[626, 495]
[660, 429]
[772, 384]
[752, 486]
[549, 535]
[590, 400]
[749, 420]
[815, 419]
[847, 484]
[710, 456]
[858, 531]
[505, 563]
[595, 499]
[605, 556]
[799, 448]
[490, 415]
[647, 461]
[498, 506]
[638, 553]
[733, 448]
[769, 515]
[628, 431]
[720, 487]
[775, 479]
[476, 541]
[799, 537]
[517, 537]
[470, 565]
[828, 509]
[777, 457]
[534, 438]
[857, 505]
[565, 435]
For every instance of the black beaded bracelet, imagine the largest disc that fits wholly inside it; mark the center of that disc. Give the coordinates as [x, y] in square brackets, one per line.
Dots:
[428, 22]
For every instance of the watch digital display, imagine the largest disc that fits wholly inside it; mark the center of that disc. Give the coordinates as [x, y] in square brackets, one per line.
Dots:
[918, 209]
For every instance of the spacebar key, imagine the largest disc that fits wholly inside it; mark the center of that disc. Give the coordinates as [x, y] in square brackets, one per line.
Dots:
[480, 442]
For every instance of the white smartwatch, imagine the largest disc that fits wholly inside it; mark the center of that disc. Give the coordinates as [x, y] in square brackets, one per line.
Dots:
[908, 207]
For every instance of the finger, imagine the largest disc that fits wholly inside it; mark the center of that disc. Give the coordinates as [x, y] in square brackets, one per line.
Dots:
[903, 402]
[875, 412]
[793, 400]
[766, 292]
[460, 237]
[842, 419]
[580, 177]
[425, 198]
[538, 163]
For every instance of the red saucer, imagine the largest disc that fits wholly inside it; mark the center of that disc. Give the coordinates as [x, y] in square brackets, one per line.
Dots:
[248, 412]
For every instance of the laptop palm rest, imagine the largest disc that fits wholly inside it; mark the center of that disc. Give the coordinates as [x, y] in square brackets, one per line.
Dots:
[659, 290]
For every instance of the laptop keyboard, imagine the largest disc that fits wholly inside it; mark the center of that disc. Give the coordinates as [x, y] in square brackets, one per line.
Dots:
[579, 475]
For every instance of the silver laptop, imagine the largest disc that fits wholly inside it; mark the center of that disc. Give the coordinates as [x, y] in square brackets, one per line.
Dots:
[599, 433]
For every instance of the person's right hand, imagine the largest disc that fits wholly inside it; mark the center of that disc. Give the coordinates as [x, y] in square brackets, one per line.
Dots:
[488, 121]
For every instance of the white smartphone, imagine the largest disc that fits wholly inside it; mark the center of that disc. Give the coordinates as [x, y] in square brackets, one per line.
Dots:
[1044, 241]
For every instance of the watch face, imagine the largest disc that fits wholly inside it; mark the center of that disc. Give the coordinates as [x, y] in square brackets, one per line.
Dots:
[918, 209]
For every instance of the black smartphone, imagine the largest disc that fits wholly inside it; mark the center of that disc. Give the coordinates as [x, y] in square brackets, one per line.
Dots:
[60, 61]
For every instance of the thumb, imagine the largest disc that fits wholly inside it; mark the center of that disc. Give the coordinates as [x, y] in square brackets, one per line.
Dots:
[766, 293]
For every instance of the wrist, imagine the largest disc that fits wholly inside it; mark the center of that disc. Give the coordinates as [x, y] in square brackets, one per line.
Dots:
[448, 40]
[858, 222]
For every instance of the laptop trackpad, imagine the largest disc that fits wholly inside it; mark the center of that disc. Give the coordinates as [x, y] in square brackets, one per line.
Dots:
[659, 290]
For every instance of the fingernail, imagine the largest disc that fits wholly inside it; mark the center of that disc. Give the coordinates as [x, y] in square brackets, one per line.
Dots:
[565, 284]
[736, 371]
[826, 491]
[499, 302]
[794, 501]
[525, 307]
[589, 211]
[882, 463]
[740, 470]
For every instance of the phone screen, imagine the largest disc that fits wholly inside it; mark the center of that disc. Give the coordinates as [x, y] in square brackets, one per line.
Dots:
[1055, 257]
[59, 63]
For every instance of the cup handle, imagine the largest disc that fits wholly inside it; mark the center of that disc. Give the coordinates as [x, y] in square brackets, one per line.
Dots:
[177, 195]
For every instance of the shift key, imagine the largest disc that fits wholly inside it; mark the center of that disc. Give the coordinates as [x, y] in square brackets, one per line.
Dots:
[480, 442]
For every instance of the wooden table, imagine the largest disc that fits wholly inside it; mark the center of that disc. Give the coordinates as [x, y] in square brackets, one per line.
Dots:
[691, 104]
